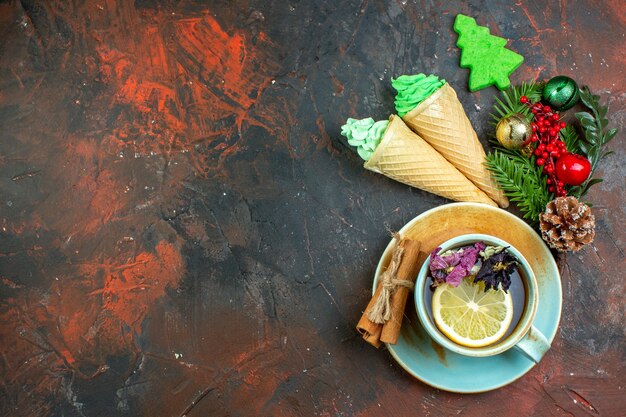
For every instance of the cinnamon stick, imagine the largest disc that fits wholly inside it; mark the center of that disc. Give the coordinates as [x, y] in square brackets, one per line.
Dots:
[375, 333]
[407, 271]
[371, 331]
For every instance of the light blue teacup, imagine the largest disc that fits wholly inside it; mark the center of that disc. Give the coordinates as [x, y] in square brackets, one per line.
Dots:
[524, 337]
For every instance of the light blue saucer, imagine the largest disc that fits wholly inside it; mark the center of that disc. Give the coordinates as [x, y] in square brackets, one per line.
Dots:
[419, 355]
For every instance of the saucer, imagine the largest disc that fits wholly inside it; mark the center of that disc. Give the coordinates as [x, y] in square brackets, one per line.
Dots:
[436, 366]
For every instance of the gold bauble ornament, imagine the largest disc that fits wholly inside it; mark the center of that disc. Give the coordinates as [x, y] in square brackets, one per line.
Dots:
[514, 132]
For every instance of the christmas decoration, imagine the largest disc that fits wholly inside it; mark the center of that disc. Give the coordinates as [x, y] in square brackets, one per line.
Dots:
[572, 169]
[521, 180]
[485, 55]
[561, 164]
[567, 225]
[570, 137]
[547, 125]
[514, 131]
[512, 103]
[596, 137]
[561, 93]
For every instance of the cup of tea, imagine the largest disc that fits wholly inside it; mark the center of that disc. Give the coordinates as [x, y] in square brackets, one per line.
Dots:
[484, 309]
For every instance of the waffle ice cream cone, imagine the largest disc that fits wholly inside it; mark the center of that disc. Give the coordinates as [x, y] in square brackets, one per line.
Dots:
[442, 122]
[405, 157]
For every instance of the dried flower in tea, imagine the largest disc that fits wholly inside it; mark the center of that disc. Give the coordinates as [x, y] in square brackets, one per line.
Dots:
[496, 270]
[452, 266]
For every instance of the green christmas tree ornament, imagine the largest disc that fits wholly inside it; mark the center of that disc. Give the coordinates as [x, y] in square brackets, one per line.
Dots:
[490, 63]
[561, 93]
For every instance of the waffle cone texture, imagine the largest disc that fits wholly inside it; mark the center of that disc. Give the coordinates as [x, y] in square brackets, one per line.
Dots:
[404, 156]
[442, 122]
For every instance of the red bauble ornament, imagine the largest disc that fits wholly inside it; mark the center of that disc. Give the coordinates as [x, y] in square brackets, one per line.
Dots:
[572, 169]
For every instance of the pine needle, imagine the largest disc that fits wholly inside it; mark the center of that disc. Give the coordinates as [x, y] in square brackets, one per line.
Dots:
[571, 139]
[510, 104]
[521, 181]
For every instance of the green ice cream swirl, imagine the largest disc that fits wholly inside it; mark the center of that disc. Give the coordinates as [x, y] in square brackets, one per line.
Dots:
[413, 89]
[365, 134]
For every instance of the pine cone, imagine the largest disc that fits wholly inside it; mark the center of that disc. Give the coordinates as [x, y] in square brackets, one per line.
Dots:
[567, 224]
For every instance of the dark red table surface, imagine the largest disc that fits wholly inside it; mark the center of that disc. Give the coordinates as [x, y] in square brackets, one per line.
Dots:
[185, 232]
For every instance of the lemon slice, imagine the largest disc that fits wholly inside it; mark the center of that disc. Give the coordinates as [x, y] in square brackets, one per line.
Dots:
[469, 316]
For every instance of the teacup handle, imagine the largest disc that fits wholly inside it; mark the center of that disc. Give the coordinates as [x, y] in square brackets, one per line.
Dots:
[534, 345]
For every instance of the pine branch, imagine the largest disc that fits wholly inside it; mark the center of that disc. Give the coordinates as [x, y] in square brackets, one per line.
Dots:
[510, 104]
[571, 139]
[521, 181]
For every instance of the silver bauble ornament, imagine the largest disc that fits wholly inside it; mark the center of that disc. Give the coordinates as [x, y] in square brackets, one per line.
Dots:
[514, 131]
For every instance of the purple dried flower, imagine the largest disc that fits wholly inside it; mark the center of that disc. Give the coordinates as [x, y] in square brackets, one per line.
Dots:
[455, 277]
[436, 261]
[454, 267]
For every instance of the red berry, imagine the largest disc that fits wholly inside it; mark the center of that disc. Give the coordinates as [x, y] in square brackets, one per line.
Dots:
[562, 125]
[572, 169]
[545, 155]
[560, 184]
[546, 109]
[548, 181]
[550, 148]
[549, 169]
[540, 161]
[552, 132]
[537, 152]
[542, 129]
[551, 189]
[523, 99]
[541, 146]
[534, 126]
[555, 154]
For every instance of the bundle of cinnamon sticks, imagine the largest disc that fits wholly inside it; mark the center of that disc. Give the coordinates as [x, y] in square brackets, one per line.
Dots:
[391, 295]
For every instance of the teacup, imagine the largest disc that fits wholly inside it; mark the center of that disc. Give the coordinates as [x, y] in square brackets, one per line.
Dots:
[522, 335]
